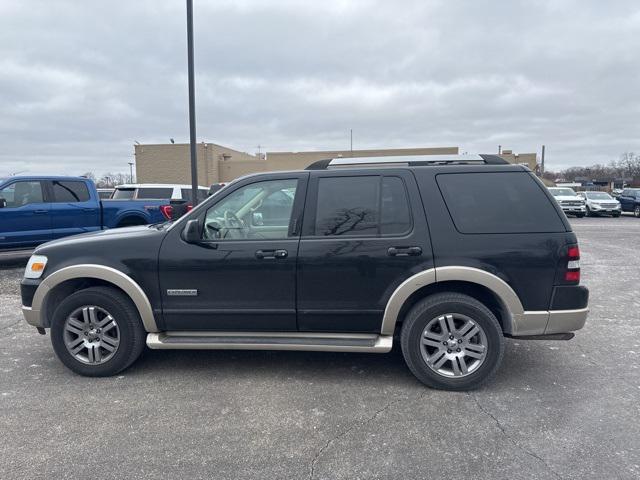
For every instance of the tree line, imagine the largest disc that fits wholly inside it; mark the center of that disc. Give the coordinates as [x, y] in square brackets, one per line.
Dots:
[627, 166]
[109, 180]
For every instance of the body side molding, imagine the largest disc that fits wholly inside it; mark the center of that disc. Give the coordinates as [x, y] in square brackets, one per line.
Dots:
[102, 272]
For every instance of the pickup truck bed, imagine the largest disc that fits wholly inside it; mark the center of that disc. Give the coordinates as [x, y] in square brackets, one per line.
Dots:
[36, 209]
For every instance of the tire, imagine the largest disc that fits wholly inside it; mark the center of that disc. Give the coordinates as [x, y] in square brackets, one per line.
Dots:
[579, 215]
[589, 212]
[131, 222]
[636, 211]
[461, 308]
[102, 351]
[615, 215]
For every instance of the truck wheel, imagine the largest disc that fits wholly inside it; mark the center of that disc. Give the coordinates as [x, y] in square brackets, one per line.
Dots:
[131, 222]
[636, 211]
[97, 332]
[451, 341]
[589, 212]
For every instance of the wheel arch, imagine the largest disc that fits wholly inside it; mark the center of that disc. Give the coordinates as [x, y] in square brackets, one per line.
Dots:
[69, 279]
[491, 290]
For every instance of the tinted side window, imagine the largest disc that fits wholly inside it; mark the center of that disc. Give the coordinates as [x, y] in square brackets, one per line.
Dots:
[347, 206]
[395, 215]
[123, 194]
[155, 193]
[19, 194]
[498, 202]
[67, 192]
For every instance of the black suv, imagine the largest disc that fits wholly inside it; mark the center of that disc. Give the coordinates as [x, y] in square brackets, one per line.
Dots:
[448, 255]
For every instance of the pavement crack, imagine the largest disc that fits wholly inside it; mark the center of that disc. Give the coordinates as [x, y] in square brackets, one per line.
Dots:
[510, 439]
[349, 429]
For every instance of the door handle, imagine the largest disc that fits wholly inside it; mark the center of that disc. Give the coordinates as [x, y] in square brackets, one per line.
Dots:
[41, 211]
[404, 251]
[271, 254]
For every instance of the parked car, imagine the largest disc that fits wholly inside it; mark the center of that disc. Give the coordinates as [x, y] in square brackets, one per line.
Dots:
[600, 203]
[569, 201]
[158, 191]
[34, 210]
[215, 188]
[630, 201]
[105, 193]
[341, 257]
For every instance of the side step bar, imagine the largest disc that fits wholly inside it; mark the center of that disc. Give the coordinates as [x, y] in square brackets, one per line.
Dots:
[315, 342]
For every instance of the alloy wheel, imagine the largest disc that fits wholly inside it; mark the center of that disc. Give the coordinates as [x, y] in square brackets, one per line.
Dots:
[453, 345]
[91, 335]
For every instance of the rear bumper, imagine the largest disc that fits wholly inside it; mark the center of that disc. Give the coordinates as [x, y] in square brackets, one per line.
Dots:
[562, 321]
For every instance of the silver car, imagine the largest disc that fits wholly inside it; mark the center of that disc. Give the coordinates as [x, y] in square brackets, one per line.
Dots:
[600, 203]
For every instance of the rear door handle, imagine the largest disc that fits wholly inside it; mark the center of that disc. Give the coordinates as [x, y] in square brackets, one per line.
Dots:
[404, 251]
[271, 254]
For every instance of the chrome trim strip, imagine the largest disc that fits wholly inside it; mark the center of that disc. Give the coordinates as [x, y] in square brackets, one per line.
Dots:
[383, 344]
[102, 272]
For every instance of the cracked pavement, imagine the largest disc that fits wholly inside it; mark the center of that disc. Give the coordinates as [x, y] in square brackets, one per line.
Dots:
[555, 410]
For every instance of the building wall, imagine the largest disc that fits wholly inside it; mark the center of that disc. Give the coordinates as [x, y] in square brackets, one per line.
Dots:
[171, 163]
[529, 159]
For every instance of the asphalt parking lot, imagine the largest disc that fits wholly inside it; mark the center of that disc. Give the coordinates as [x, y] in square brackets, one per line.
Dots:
[555, 410]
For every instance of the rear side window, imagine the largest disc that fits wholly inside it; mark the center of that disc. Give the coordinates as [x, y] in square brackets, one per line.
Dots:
[155, 193]
[123, 193]
[186, 194]
[498, 202]
[69, 192]
[362, 206]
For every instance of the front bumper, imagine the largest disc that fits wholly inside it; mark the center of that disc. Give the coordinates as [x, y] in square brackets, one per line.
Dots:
[574, 209]
[28, 289]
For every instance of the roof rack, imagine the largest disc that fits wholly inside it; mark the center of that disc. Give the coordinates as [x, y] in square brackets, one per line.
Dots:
[412, 161]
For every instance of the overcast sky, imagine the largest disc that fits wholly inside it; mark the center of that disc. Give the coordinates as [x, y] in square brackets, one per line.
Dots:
[80, 81]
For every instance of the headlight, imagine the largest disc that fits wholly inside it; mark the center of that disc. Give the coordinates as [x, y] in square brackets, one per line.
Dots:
[35, 267]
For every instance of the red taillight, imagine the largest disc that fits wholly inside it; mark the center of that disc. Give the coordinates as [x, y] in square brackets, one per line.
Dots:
[572, 276]
[189, 208]
[167, 211]
[573, 265]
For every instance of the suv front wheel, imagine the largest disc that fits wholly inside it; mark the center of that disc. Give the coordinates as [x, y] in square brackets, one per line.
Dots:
[452, 341]
[97, 332]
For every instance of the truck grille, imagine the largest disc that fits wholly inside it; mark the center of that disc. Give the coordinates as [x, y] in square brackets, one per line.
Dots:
[570, 203]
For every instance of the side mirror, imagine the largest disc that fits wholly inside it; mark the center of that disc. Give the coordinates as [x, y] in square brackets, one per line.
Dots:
[191, 232]
[3, 202]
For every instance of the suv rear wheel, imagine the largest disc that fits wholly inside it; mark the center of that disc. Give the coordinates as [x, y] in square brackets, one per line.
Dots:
[97, 332]
[452, 341]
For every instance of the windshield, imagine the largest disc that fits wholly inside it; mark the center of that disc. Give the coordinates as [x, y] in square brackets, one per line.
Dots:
[598, 196]
[562, 192]
[123, 194]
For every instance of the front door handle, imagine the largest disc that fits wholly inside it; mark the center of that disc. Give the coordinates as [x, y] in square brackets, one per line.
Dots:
[41, 211]
[271, 254]
[404, 251]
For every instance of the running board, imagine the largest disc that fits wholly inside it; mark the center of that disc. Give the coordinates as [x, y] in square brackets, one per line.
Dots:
[315, 342]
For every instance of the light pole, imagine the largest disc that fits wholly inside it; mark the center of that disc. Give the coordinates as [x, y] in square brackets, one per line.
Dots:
[192, 106]
[130, 171]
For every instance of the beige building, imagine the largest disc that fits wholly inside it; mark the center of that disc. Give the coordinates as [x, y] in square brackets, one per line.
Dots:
[170, 163]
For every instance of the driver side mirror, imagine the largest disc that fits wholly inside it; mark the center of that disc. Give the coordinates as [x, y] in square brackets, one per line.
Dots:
[3, 202]
[191, 232]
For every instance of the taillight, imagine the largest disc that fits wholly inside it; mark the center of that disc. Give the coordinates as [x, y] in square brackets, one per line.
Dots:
[167, 211]
[573, 265]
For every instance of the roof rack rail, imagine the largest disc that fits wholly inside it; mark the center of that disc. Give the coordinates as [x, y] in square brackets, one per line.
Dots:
[413, 160]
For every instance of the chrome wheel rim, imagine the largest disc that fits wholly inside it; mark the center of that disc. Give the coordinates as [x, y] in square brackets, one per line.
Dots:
[636, 212]
[453, 345]
[91, 335]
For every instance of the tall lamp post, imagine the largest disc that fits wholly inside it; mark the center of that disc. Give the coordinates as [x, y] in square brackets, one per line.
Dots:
[192, 106]
[130, 171]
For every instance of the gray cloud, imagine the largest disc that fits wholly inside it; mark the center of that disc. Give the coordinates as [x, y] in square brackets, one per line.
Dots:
[80, 81]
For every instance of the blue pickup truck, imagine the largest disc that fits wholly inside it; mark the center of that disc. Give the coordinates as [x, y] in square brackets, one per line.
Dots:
[34, 210]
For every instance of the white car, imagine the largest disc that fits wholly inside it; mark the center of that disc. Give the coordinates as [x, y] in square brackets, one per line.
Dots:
[570, 202]
[599, 203]
[157, 191]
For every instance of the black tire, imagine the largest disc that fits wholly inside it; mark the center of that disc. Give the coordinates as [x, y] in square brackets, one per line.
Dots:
[590, 213]
[579, 215]
[439, 305]
[131, 222]
[615, 215]
[131, 332]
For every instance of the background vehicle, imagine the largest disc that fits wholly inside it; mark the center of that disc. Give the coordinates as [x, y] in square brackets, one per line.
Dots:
[600, 203]
[105, 193]
[215, 188]
[35, 210]
[569, 201]
[157, 191]
[337, 258]
[630, 201]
